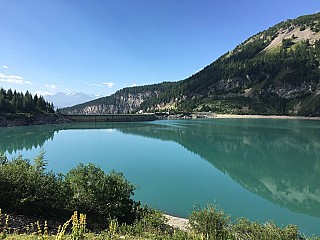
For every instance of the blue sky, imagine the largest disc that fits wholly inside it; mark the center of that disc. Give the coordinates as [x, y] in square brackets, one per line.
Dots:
[100, 46]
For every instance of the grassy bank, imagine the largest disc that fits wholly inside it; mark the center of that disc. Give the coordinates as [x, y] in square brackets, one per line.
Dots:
[206, 223]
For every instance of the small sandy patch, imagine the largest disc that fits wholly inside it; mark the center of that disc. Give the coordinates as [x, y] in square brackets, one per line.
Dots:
[177, 222]
[264, 116]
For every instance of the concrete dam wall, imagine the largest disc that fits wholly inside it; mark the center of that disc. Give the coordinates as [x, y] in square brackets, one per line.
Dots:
[112, 118]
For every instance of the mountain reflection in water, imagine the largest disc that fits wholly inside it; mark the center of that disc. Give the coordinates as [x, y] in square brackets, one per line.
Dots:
[278, 160]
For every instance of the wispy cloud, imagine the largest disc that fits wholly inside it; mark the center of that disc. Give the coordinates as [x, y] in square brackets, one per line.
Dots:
[13, 79]
[95, 84]
[51, 86]
[5, 67]
[108, 84]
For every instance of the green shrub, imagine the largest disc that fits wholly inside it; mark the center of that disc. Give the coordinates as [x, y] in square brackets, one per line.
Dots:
[148, 220]
[102, 196]
[29, 189]
[211, 222]
[245, 229]
[302, 28]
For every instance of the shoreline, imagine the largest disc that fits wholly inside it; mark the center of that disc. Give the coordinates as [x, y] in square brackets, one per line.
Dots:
[221, 116]
[212, 115]
[30, 119]
[25, 120]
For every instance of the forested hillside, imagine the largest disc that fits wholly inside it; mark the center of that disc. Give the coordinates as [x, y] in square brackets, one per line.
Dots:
[18, 102]
[21, 109]
[275, 72]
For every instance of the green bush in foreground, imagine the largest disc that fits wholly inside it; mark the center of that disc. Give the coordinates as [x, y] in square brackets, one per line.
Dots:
[27, 188]
[210, 222]
[101, 196]
[215, 224]
[245, 229]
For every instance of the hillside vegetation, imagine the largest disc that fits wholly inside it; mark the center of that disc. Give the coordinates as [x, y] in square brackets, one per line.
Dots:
[18, 108]
[18, 102]
[275, 71]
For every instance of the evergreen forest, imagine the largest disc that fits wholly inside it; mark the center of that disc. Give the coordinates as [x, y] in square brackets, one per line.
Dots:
[18, 102]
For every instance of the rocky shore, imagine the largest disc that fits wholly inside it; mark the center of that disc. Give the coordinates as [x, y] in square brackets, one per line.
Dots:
[11, 120]
[264, 116]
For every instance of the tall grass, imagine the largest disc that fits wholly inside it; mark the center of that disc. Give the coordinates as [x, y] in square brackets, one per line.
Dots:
[209, 223]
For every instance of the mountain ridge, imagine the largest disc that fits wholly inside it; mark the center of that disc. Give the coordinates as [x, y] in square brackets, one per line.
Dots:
[62, 100]
[274, 72]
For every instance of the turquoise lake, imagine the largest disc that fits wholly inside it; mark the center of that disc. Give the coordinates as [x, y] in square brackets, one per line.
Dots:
[261, 169]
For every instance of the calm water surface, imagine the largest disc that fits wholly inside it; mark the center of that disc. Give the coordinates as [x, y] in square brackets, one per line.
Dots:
[260, 169]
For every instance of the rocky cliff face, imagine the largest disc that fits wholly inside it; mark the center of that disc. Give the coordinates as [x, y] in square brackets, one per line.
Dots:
[127, 100]
[126, 103]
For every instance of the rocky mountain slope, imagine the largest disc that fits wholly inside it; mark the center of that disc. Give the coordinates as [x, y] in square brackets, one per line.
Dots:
[127, 100]
[276, 71]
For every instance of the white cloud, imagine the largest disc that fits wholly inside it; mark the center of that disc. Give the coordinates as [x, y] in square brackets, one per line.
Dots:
[42, 93]
[5, 67]
[134, 85]
[96, 84]
[13, 79]
[51, 86]
[108, 84]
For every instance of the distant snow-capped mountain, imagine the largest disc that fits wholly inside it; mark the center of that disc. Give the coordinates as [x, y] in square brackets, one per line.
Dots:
[61, 100]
